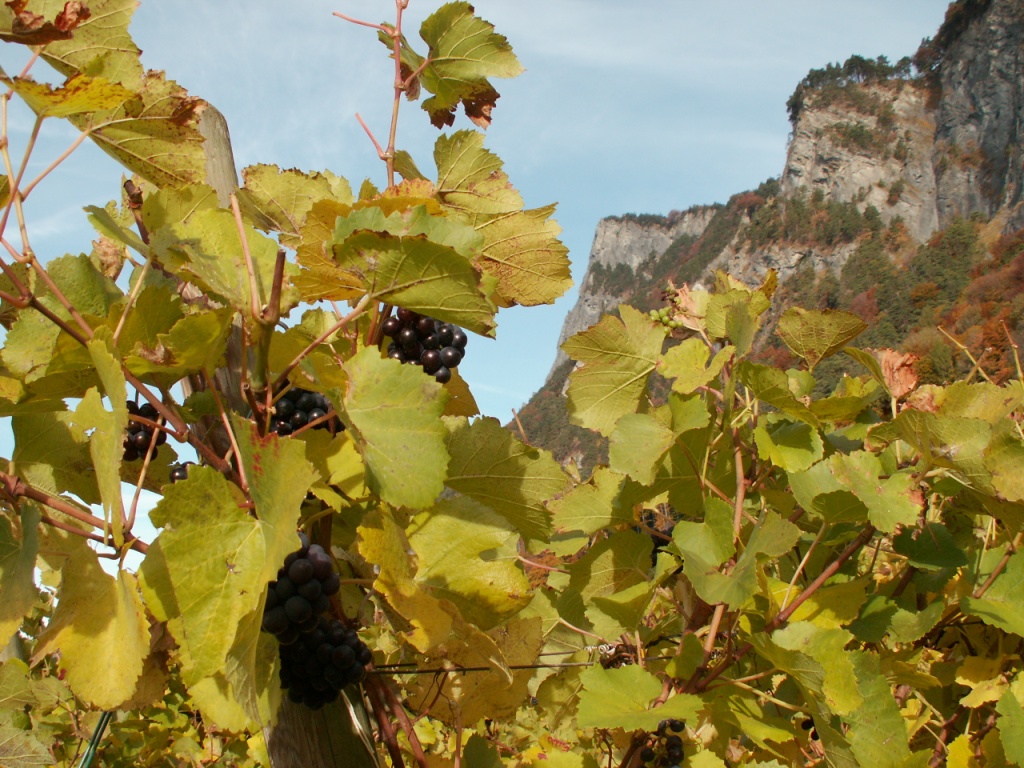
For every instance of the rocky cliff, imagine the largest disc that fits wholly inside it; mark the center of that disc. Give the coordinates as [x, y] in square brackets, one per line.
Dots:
[902, 183]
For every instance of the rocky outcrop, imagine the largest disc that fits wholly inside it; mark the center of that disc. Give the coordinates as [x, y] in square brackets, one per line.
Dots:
[947, 143]
[979, 132]
[854, 157]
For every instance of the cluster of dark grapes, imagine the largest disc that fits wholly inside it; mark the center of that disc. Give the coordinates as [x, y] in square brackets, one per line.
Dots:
[664, 747]
[658, 524]
[319, 655]
[139, 436]
[298, 407]
[422, 340]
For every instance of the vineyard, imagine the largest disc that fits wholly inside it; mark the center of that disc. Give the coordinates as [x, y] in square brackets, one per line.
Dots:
[354, 568]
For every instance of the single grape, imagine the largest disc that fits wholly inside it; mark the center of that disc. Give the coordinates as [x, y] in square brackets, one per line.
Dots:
[459, 338]
[275, 620]
[284, 408]
[299, 609]
[443, 375]
[446, 334]
[431, 360]
[311, 590]
[391, 326]
[141, 440]
[300, 571]
[450, 357]
[405, 315]
[424, 326]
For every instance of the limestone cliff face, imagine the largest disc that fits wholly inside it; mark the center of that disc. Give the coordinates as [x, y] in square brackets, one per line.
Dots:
[948, 143]
[891, 168]
[978, 153]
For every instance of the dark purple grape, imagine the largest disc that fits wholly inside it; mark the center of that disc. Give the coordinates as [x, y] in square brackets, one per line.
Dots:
[450, 357]
[307, 402]
[407, 337]
[275, 620]
[331, 584]
[431, 360]
[647, 754]
[443, 375]
[300, 571]
[147, 411]
[317, 413]
[322, 604]
[445, 334]
[285, 589]
[391, 326]
[133, 408]
[405, 315]
[130, 454]
[431, 342]
[179, 472]
[283, 409]
[424, 326]
[161, 437]
[364, 655]
[459, 338]
[311, 590]
[299, 609]
[343, 657]
[298, 420]
[141, 440]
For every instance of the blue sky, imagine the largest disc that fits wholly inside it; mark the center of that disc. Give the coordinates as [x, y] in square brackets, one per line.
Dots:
[641, 107]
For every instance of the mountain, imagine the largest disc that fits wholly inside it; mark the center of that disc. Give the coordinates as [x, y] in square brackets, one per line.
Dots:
[901, 199]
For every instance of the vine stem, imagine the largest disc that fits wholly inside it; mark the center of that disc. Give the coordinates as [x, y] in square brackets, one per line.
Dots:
[698, 686]
[250, 267]
[1000, 566]
[403, 719]
[16, 487]
[803, 564]
[212, 386]
[356, 312]
[387, 731]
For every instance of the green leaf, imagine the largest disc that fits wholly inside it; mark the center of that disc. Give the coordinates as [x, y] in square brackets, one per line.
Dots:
[100, 629]
[816, 334]
[686, 364]
[736, 315]
[711, 540]
[208, 566]
[877, 733]
[890, 501]
[622, 698]
[618, 356]
[416, 273]
[467, 554]
[89, 290]
[490, 465]
[610, 568]
[206, 249]
[637, 444]
[931, 549]
[464, 51]
[771, 386]
[278, 200]
[20, 749]
[50, 455]
[520, 248]
[793, 446]
[80, 94]
[383, 542]
[590, 506]
[18, 548]
[154, 133]
[1003, 603]
[100, 44]
[1011, 721]
[394, 412]
[954, 443]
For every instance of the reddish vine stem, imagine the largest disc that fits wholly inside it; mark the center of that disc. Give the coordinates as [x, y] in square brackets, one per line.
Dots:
[15, 487]
[698, 686]
[1000, 566]
[387, 731]
[403, 719]
[939, 753]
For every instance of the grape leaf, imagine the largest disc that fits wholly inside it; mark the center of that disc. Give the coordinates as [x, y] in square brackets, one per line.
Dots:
[622, 697]
[467, 555]
[1011, 721]
[771, 386]
[464, 51]
[618, 356]
[80, 94]
[816, 334]
[611, 567]
[890, 501]
[520, 248]
[931, 549]
[877, 733]
[208, 566]
[278, 200]
[1003, 603]
[637, 444]
[205, 249]
[89, 290]
[20, 749]
[49, 454]
[686, 364]
[591, 506]
[383, 543]
[99, 42]
[792, 446]
[491, 466]
[394, 413]
[100, 629]
[18, 548]
[155, 133]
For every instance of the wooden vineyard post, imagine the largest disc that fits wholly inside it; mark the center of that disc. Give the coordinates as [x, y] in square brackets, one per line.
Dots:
[339, 734]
